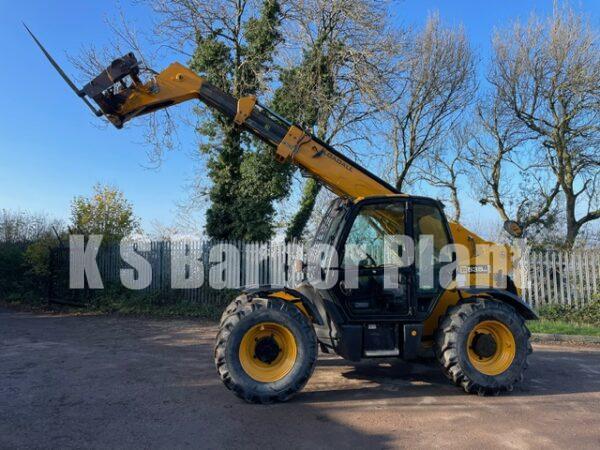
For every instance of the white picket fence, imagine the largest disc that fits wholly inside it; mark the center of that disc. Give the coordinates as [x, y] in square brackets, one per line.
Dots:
[561, 277]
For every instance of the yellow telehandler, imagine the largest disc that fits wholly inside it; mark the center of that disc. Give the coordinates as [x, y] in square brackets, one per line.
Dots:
[268, 340]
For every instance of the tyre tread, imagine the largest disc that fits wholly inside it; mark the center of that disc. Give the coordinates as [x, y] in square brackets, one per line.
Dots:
[239, 308]
[446, 339]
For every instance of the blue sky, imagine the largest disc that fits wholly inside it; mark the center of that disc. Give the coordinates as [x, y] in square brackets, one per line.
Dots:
[52, 148]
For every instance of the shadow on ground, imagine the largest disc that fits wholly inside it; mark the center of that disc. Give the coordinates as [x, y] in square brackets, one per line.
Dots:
[551, 372]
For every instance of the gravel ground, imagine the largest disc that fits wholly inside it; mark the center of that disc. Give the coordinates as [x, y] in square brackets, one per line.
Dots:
[96, 381]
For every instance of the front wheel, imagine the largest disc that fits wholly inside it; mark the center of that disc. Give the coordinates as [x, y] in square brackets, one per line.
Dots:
[483, 346]
[266, 349]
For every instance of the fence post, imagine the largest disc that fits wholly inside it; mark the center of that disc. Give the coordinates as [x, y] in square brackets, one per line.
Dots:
[588, 287]
[595, 272]
[568, 277]
[560, 274]
[555, 299]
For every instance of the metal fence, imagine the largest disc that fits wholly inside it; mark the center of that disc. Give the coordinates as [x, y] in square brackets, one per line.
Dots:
[550, 277]
[561, 277]
[220, 274]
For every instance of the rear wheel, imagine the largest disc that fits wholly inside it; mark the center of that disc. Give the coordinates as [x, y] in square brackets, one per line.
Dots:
[266, 349]
[483, 346]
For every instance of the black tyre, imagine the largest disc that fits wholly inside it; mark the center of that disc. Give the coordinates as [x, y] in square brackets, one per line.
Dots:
[483, 346]
[233, 306]
[266, 349]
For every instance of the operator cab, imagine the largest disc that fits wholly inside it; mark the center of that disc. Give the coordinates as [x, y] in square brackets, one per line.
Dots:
[374, 241]
[383, 280]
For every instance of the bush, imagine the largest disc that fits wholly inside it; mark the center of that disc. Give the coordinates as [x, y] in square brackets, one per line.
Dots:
[37, 257]
[117, 299]
[12, 268]
[25, 268]
[588, 314]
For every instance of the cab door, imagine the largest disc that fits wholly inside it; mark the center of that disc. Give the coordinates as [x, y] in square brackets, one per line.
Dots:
[431, 236]
[375, 281]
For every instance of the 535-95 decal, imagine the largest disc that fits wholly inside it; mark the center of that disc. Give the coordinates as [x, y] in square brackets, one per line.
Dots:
[482, 268]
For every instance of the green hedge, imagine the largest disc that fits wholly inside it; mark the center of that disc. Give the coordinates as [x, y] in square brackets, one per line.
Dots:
[14, 269]
[589, 314]
[32, 271]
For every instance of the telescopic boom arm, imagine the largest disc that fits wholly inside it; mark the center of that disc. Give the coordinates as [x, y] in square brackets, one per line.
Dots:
[122, 96]
[178, 83]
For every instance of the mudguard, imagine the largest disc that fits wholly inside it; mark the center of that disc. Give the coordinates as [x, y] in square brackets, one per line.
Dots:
[291, 295]
[507, 297]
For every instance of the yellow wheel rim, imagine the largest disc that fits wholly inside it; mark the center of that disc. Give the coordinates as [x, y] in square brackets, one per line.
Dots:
[268, 352]
[491, 347]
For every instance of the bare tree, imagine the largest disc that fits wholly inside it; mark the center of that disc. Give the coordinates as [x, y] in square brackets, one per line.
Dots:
[445, 166]
[342, 57]
[547, 74]
[357, 51]
[24, 226]
[436, 85]
[508, 176]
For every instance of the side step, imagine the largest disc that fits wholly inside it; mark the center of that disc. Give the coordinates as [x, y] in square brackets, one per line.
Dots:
[412, 340]
[385, 340]
[380, 353]
[379, 340]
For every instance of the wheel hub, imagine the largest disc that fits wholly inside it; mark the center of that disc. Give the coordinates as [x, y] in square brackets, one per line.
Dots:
[268, 352]
[491, 347]
[266, 349]
[484, 345]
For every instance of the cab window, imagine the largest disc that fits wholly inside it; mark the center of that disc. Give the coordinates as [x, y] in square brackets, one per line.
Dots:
[364, 288]
[428, 222]
[365, 242]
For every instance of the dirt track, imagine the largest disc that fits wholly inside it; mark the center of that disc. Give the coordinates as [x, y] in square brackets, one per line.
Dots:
[115, 382]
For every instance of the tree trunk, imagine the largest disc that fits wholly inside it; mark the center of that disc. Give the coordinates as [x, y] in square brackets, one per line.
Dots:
[402, 176]
[455, 203]
[400, 182]
[572, 225]
[307, 204]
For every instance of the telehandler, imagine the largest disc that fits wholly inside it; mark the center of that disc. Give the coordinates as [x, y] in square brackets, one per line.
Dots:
[268, 340]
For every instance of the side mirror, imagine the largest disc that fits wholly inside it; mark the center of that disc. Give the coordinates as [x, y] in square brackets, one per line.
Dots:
[513, 228]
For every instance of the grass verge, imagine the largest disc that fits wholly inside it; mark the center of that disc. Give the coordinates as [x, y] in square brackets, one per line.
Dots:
[568, 319]
[554, 319]
[561, 327]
